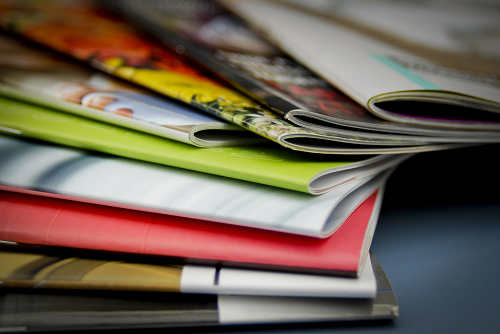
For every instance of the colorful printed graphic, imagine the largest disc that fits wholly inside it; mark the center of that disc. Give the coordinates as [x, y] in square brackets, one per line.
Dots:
[33, 270]
[91, 35]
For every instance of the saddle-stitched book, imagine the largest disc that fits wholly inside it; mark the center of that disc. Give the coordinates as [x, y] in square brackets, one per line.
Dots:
[48, 221]
[40, 267]
[121, 50]
[223, 43]
[51, 310]
[402, 85]
[265, 163]
[58, 171]
[30, 74]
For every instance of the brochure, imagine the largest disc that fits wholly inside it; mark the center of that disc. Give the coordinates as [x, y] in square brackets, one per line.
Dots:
[77, 174]
[68, 27]
[222, 42]
[51, 310]
[391, 82]
[266, 163]
[41, 220]
[62, 268]
[29, 74]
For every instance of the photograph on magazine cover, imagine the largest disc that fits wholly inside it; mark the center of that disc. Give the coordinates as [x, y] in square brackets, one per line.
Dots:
[32, 70]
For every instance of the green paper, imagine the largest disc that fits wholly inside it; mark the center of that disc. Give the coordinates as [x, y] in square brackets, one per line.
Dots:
[267, 163]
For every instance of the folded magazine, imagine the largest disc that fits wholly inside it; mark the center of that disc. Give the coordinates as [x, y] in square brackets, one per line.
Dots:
[397, 83]
[221, 41]
[63, 268]
[68, 27]
[265, 163]
[42, 220]
[96, 178]
[30, 74]
[58, 310]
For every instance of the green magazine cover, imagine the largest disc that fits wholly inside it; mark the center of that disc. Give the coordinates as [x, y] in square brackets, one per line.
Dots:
[267, 163]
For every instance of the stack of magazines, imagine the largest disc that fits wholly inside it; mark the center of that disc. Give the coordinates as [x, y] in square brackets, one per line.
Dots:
[166, 163]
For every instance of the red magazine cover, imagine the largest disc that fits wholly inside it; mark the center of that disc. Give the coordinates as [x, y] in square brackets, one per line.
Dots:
[49, 221]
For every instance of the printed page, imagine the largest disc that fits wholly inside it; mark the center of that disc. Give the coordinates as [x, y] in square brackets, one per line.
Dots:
[145, 62]
[104, 272]
[226, 280]
[150, 187]
[33, 71]
[229, 48]
[261, 309]
[427, 27]
[380, 69]
[265, 163]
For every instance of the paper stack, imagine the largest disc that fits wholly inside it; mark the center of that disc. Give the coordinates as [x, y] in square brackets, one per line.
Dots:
[163, 165]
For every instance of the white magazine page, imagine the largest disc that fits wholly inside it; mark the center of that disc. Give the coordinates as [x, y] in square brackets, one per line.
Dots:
[456, 26]
[323, 181]
[331, 50]
[205, 279]
[73, 174]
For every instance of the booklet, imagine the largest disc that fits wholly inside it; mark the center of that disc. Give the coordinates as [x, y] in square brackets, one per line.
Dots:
[463, 35]
[48, 221]
[51, 310]
[96, 178]
[69, 28]
[29, 74]
[266, 163]
[393, 83]
[63, 268]
[222, 42]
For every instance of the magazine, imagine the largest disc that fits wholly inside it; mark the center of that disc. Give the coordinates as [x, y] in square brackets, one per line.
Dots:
[77, 174]
[43, 220]
[51, 310]
[391, 82]
[265, 163]
[458, 33]
[222, 42]
[42, 78]
[68, 27]
[62, 268]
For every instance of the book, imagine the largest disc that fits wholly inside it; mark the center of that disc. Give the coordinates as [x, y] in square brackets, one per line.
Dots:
[266, 163]
[30, 74]
[393, 83]
[51, 310]
[64, 268]
[223, 43]
[121, 50]
[84, 176]
[48, 221]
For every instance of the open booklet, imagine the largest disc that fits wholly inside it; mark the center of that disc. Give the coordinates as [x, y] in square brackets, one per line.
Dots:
[54, 82]
[265, 163]
[71, 173]
[42, 220]
[222, 42]
[392, 82]
[50, 310]
[63, 268]
[119, 49]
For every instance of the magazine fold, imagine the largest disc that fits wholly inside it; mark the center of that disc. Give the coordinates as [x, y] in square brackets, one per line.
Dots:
[266, 163]
[70, 173]
[62, 268]
[392, 83]
[67, 27]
